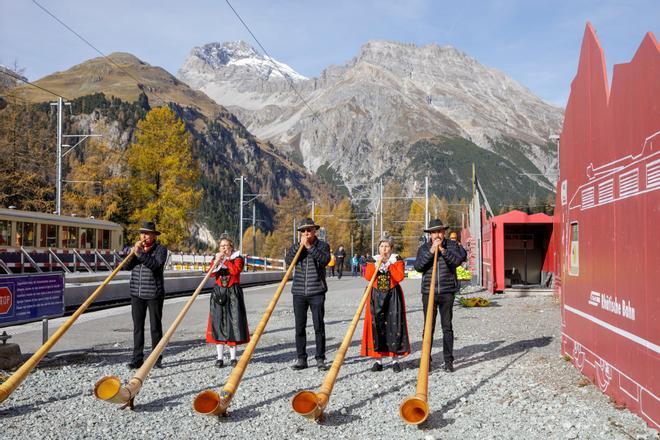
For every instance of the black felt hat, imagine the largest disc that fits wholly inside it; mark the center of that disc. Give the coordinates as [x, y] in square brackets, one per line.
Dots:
[149, 227]
[435, 225]
[307, 223]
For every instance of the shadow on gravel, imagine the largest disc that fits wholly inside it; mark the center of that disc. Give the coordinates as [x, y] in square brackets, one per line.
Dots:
[436, 420]
[507, 350]
[16, 411]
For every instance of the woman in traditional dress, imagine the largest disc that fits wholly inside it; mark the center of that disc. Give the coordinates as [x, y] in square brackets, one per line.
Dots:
[385, 331]
[227, 318]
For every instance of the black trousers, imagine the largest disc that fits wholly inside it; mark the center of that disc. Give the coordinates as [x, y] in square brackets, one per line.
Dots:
[139, 309]
[317, 305]
[444, 303]
[340, 268]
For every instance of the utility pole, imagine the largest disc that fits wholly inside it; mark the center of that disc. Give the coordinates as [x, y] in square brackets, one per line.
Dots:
[58, 188]
[426, 202]
[313, 209]
[381, 207]
[254, 232]
[294, 230]
[373, 226]
[240, 221]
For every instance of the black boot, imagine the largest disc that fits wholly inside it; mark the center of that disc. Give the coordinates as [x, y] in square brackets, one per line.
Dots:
[301, 364]
[449, 366]
[320, 364]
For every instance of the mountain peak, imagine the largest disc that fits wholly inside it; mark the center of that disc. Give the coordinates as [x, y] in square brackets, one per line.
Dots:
[222, 54]
[237, 55]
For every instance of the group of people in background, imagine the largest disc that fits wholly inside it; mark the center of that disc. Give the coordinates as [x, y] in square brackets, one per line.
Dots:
[385, 332]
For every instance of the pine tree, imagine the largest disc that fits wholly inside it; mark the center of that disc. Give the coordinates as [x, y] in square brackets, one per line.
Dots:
[163, 175]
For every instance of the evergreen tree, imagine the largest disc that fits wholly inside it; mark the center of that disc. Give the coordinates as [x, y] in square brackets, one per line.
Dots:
[163, 175]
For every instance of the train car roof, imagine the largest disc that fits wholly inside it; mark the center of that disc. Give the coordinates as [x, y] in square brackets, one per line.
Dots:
[17, 214]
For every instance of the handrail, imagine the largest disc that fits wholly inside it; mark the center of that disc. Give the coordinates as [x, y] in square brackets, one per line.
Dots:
[32, 262]
[84, 263]
[66, 269]
[103, 260]
[6, 268]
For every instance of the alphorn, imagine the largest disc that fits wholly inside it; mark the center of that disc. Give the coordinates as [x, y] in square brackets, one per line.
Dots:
[415, 409]
[17, 378]
[109, 388]
[310, 404]
[212, 403]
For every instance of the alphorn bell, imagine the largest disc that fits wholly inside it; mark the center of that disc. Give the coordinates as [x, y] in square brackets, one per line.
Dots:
[15, 379]
[310, 404]
[415, 409]
[212, 403]
[109, 388]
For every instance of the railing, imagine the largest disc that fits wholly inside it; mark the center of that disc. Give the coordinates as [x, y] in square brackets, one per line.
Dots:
[25, 259]
[20, 260]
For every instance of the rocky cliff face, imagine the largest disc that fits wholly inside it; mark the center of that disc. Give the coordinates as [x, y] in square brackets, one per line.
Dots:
[362, 119]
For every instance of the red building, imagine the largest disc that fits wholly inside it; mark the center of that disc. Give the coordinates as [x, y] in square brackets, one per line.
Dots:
[606, 226]
[517, 250]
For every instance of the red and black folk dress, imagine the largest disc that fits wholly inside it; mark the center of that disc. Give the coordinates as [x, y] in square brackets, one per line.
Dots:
[227, 318]
[385, 327]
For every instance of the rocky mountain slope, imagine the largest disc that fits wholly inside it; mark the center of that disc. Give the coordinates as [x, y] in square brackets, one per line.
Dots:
[361, 120]
[224, 147]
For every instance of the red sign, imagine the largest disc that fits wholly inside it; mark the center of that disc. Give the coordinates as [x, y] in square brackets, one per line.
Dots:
[5, 300]
[606, 225]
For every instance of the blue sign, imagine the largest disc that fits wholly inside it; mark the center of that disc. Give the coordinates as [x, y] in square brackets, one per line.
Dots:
[31, 297]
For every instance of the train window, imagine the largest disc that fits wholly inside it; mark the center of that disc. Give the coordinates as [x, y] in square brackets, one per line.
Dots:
[87, 238]
[574, 266]
[70, 236]
[104, 239]
[25, 234]
[5, 232]
[48, 235]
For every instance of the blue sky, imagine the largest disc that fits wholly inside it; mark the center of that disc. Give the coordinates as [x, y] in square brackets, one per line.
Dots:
[536, 42]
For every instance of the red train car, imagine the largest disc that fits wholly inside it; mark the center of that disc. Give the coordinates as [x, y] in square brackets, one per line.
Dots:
[606, 226]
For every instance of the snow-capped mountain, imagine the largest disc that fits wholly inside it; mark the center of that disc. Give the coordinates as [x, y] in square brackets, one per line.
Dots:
[379, 105]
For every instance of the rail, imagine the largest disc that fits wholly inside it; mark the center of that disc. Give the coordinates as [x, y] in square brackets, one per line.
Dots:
[32, 262]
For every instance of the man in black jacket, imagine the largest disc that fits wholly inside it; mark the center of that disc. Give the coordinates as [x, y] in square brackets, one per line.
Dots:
[340, 255]
[446, 283]
[147, 291]
[308, 289]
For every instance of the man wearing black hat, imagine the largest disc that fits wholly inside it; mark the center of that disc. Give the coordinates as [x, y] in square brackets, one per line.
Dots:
[147, 290]
[446, 283]
[308, 289]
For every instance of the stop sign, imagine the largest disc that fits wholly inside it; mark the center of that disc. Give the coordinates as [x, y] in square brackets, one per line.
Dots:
[5, 300]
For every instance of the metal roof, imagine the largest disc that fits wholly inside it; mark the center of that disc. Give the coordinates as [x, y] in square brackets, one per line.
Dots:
[40, 217]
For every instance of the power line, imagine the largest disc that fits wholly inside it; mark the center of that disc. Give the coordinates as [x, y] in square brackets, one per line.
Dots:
[137, 81]
[20, 78]
[315, 114]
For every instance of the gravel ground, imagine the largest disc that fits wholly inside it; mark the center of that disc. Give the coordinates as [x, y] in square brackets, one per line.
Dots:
[510, 382]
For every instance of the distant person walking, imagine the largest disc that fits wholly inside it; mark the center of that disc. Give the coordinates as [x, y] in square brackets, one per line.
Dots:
[147, 287]
[227, 323]
[308, 290]
[446, 283]
[362, 262]
[340, 256]
[355, 263]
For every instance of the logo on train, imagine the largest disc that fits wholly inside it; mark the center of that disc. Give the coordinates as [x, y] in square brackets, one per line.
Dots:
[5, 300]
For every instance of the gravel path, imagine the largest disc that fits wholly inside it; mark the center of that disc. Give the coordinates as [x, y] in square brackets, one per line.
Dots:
[510, 381]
